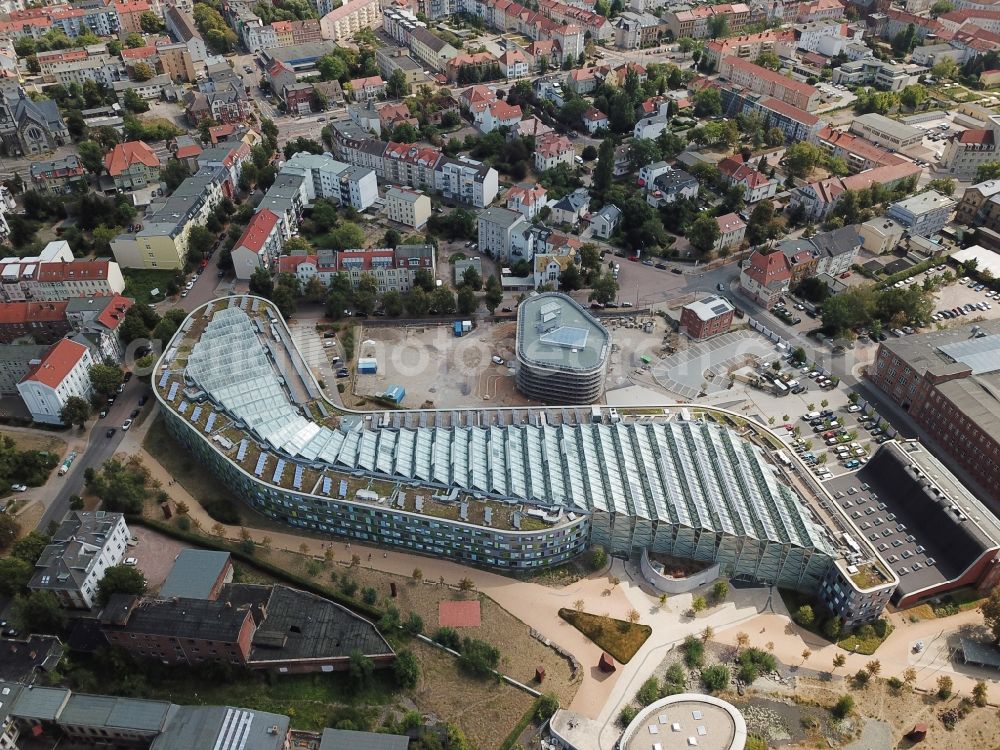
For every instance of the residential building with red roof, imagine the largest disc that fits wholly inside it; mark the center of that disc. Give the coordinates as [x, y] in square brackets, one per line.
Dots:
[514, 64]
[528, 200]
[756, 185]
[259, 245]
[132, 165]
[500, 114]
[392, 269]
[748, 46]
[764, 278]
[44, 322]
[732, 230]
[859, 153]
[694, 22]
[367, 89]
[478, 61]
[970, 149]
[553, 149]
[302, 267]
[63, 372]
[96, 321]
[594, 120]
[409, 164]
[770, 83]
[529, 127]
[130, 14]
[818, 199]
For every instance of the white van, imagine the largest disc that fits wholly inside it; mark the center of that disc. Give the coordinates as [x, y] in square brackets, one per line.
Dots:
[811, 416]
[497, 360]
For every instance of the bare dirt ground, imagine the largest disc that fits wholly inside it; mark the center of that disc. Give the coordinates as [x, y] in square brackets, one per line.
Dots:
[439, 369]
[27, 442]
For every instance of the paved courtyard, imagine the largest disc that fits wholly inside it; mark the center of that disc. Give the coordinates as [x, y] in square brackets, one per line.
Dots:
[698, 367]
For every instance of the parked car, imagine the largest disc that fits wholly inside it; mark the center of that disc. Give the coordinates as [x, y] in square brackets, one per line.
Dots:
[19, 487]
[126, 424]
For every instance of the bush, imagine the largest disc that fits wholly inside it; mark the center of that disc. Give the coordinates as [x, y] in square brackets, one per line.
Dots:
[369, 595]
[223, 511]
[944, 685]
[843, 707]
[754, 662]
[449, 638]
[478, 657]
[831, 628]
[881, 627]
[715, 678]
[895, 684]
[349, 586]
[861, 677]
[649, 692]
[626, 715]
[414, 624]
[675, 675]
[694, 652]
[805, 616]
[546, 705]
[598, 557]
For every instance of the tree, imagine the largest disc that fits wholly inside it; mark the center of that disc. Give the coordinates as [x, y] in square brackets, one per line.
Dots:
[472, 279]
[9, 529]
[121, 486]
[478, 657]
[75, 411]
[392, 238]
[397, 87]
[980, 694]
[708, 102]
[802, 157]
[703, 233]
[944, 687]
[120, 579]
[141, 72]
[873, 667]
[831, 628]
[988, 171]
[605, 170]
[990, 610]
[106, 378]
[913, 96]
[284, 299]
[14, 576]
[494, 294]
[466, 584]
[261, 283]
[134, 103]
[150, 23]
[468, 302]
[805, 616]
[199, 243]
[839, 660]
[442, 300]
[174, 172]
[604, 289]
[38, 612]
[945, 186]
[941, 7]
[360, 668]
[406, 669]
[29, 548]
[598, 557]
[91, 156]
[698, 604]
[767, 59]
[589, 153]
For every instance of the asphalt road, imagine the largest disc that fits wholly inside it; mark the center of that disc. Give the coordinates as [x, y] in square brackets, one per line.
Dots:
[99, 449]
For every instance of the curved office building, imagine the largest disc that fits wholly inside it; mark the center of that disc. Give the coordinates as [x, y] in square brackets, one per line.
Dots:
[562, 351]
[509, 489]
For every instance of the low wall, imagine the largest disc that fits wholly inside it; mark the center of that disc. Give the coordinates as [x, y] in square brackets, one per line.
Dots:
[676, 585]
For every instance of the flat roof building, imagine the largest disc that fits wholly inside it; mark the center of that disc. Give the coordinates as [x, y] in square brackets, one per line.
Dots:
[686, 720]
[949, 382]
[198, 574]
[707, 317]
[882, 131]
[562, 351]
[924, 214]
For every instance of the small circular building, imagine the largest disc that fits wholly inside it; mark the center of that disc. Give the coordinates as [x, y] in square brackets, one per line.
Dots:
[687, 720]
[562, 350]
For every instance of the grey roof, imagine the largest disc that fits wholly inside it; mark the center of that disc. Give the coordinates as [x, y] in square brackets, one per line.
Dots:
[610, 212]
[9, 692]
[300, 51]
[75, 547]
[40, 703]
[20, 658]
[101, 711]
[885, 125]
[982, 354]
[575, 201]
[222, 728]
[503, 217]
[38, 168]
[197, 619]
[838, 241]
[303, 626]
[194, 574]
[435, 43]
[345, 739]
[674, 180]
[553, 330]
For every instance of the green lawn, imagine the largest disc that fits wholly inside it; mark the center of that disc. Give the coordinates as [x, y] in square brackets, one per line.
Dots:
[139, 282]
[856, 643]
[619, 638]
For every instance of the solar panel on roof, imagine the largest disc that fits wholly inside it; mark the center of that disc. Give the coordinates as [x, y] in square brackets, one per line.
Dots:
[210, 421]
[173, 391]
[342, 491]
[164, 378]
[182, 407]
[566, 336]
[241, 452]
[195, 414]
[720, 308]
[261, 460]
[327, 482]
[297, 480]
[278, 470]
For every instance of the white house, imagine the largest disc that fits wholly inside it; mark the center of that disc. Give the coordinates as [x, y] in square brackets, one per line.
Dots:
[514, 64]
[496, 230]
[553, 149]
[408, 207]
[499, 115]
[260, 244]
[527, 201]
[82, 549]
[604, 222]
[651, 127]
[63, 372]
[732, 230]
[594, 120]
[570, 208]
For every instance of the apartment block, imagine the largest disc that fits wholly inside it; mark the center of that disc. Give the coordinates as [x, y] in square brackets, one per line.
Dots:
[770, 83]
[408, 207]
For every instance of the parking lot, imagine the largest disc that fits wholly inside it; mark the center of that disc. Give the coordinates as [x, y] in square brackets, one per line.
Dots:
[936, 136]
[704, 366]
[154, 555]
[960, 295]
[317, 351]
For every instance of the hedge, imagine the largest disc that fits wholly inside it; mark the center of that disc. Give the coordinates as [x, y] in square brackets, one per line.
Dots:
[359, 607]
[519, 728]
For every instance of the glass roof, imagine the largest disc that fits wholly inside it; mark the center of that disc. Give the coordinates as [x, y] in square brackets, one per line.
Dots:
[695, 474]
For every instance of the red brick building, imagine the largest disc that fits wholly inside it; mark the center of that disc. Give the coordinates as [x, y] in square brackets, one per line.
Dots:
[45, 322]
[707, 317]
[948, 383]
